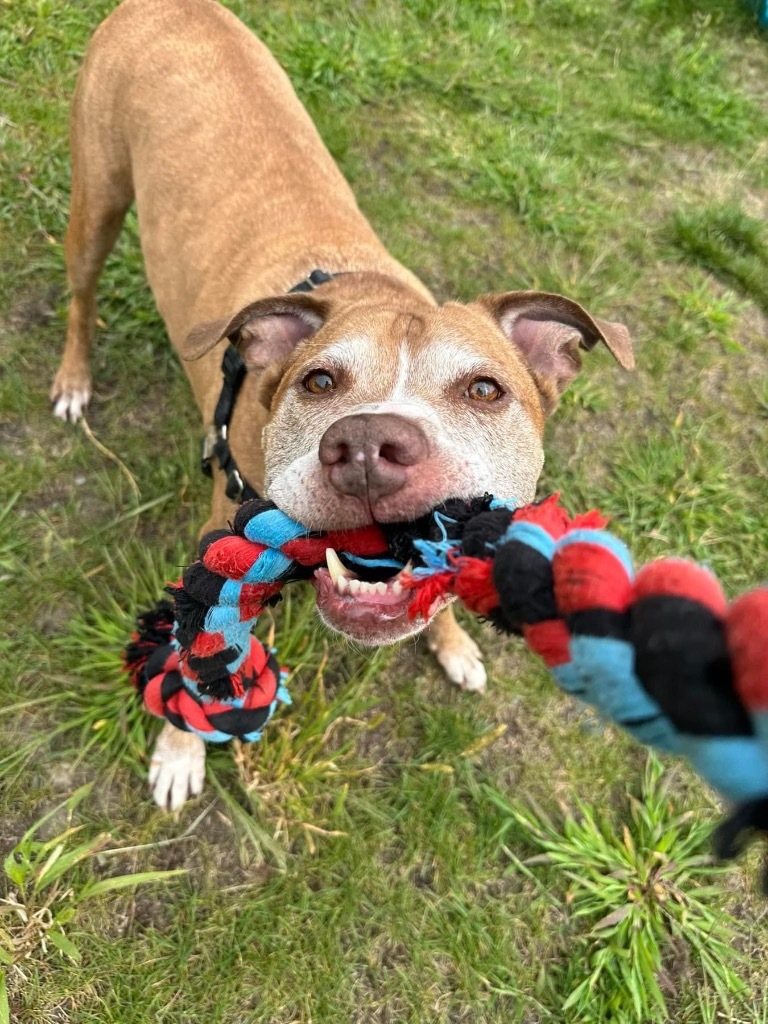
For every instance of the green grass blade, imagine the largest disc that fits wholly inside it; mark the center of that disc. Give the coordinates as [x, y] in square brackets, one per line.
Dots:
[65, 945]
[114, 884]
[5, 1010]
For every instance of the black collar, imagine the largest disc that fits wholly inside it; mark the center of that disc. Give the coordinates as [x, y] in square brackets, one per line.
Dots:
[216, 442]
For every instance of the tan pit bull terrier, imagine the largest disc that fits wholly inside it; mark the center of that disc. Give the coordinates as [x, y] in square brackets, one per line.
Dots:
[365, 399]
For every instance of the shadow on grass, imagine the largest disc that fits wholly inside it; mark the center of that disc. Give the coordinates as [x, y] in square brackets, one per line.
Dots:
[727, 242]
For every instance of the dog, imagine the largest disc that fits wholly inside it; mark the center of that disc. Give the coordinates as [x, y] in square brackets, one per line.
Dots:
[364, 399]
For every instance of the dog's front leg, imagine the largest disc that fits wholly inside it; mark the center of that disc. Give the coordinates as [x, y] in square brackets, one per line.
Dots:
[177, 768]
[456, 651]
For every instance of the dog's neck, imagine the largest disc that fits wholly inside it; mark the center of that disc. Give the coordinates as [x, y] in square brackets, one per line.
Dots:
[352, 287]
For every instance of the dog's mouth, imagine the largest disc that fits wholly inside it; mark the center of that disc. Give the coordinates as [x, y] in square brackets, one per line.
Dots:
[372, 610]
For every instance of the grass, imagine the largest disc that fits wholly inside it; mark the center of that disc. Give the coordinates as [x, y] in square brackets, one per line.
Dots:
[368, 861]
[41, 901]
[729, 243]
[645, 896]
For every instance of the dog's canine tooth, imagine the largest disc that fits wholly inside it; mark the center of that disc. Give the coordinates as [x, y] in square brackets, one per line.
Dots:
[336, 569]
[347, 584]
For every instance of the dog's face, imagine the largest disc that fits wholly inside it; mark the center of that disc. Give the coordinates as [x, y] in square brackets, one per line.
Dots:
[380, 412]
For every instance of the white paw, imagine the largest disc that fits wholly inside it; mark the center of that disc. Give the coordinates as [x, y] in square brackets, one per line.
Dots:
[69, 405]
[177, 768]
[462, 662]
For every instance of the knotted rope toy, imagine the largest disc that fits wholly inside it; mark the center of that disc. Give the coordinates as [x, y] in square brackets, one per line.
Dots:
[209, 675]
[660, 652]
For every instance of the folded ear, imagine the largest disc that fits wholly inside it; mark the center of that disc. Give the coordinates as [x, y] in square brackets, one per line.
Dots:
[549, 330]
[263, 332]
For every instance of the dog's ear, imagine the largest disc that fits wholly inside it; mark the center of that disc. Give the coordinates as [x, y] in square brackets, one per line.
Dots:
[549, 330]
[263, 332]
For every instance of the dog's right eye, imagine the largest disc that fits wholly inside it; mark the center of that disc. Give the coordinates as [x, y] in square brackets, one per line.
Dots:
[319, 382]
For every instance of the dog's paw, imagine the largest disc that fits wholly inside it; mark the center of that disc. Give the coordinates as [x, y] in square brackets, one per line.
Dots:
[461, 660]
[70, 396]
[177, 768]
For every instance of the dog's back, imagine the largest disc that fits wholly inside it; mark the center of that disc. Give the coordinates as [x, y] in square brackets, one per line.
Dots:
[190, 113]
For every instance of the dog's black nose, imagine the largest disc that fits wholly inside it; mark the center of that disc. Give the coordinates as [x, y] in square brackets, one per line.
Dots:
[370, 455]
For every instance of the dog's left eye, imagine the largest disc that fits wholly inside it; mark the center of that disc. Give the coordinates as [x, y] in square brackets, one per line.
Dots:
[319, 382]
[484, 389]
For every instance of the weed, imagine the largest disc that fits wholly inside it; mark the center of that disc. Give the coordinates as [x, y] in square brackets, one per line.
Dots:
[93, 705]
[42, 894]
[646, 896]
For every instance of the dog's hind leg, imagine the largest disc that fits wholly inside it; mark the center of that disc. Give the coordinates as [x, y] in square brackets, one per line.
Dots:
[101, 193]
[456, 651]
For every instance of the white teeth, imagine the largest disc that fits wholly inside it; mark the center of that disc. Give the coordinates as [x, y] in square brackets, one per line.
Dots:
[408, 567]
[336, 569]
[347, 584]
[361, 588]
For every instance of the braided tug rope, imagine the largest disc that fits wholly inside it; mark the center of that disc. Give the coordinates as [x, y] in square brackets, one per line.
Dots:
[660, 653]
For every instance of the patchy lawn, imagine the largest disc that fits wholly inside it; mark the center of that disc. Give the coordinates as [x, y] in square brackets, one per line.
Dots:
[365, 863]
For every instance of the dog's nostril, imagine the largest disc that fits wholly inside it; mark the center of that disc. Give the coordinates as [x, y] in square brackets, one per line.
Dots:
[391, 453]
[334, 452]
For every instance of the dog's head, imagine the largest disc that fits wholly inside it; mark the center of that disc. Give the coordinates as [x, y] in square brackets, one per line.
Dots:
[380, 410]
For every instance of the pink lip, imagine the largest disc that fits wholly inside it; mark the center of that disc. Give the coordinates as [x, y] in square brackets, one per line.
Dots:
[372, 608]
[369, 618]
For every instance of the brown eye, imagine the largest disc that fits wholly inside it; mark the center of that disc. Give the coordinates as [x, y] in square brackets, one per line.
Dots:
[483, 389]
[319, 382]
